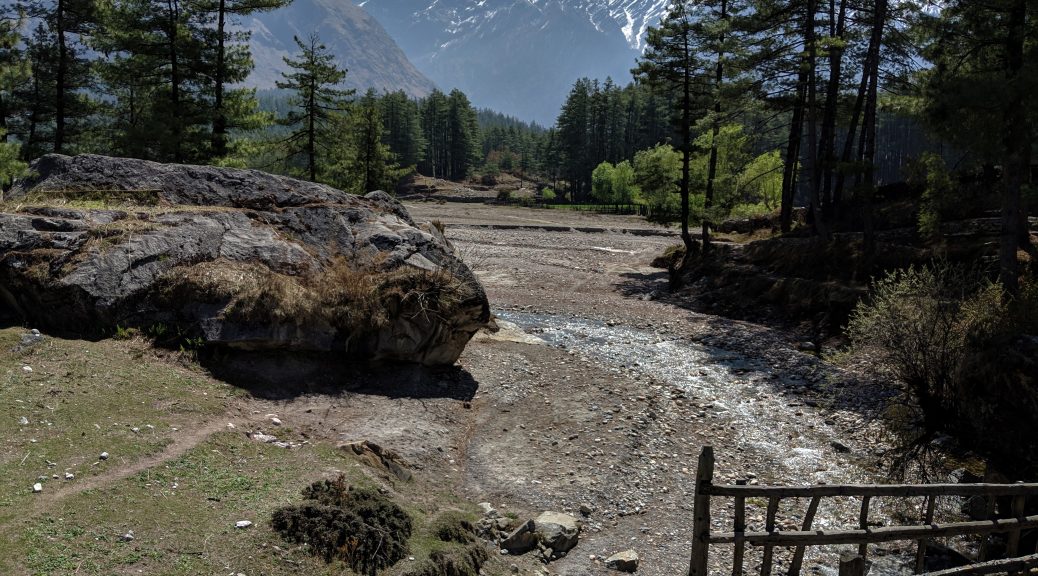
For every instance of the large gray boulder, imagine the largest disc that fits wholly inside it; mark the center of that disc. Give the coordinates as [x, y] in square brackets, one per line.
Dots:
[234, 258]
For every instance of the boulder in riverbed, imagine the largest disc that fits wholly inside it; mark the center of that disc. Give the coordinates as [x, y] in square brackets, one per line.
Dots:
[231, 258]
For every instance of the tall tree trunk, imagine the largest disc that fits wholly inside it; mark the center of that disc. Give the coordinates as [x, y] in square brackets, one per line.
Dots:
[218, 142]
[686, 148]
[828, 142]
[796, 135]
[176, 114]
[811, 46]
[852, 128]
[60, 78]
[1017, 147]
[869, 127]
[311, 129]
[715, 130]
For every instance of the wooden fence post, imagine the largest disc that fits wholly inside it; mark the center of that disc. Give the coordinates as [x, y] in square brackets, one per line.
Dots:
[852, 565]
[701, 513]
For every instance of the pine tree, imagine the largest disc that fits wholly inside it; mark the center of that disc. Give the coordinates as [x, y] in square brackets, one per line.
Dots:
[981, 95]
[670, 63]
[157, 77]
[463, 136]
[574, 140]
[403, 128]
[231, 64]
[314, 80]
[435, 124]
[59, 53]
[369, 164]
[12, 73]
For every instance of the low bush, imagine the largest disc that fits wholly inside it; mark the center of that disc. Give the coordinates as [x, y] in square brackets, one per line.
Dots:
[358, 526]
[966, 349]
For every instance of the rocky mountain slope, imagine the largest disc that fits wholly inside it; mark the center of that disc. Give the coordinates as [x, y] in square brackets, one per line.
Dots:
[519, 56]
[359, 42]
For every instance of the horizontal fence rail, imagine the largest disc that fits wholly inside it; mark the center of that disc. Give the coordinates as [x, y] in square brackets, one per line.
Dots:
[800, 540]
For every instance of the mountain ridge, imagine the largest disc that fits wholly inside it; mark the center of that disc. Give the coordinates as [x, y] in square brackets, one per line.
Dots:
[360, 44]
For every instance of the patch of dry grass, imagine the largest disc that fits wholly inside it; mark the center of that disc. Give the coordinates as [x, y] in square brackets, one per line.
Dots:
[342, 295]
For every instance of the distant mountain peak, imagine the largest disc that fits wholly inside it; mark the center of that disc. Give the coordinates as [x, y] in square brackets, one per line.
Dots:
[359, 43]
[519, 56]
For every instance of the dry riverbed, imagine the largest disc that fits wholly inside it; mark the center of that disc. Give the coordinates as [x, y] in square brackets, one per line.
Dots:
[596, 394]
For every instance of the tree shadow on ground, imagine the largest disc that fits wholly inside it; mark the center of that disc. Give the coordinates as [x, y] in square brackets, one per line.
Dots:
[286, 376]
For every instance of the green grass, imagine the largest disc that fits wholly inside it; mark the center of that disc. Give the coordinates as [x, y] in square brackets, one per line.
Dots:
[182, 515]
[83, 398]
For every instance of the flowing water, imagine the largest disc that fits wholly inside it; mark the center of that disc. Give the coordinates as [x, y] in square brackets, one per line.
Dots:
[797, 443]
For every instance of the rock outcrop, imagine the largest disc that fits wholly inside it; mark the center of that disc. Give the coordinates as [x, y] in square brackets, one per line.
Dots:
[233, 258]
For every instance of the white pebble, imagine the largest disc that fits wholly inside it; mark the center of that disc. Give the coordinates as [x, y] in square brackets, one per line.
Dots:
[242, 524]
[103, 456]
[70, 476]
[23, 421]
[275, 421]
[37, 488]
[27, 369]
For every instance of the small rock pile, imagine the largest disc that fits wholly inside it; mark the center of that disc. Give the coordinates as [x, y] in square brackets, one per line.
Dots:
[552, 534]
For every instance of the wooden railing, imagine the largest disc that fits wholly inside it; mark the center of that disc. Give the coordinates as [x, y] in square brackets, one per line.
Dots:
[800, 540]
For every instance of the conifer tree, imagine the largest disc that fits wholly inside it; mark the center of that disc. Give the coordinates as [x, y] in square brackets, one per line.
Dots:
[462, 136]
[12, 72]
[231, 64]
[670, 62]
[157, 78]
[314, 79]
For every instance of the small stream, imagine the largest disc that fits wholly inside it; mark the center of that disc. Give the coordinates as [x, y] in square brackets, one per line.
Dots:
[793, 439]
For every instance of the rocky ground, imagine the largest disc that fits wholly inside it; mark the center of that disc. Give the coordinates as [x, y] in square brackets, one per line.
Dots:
[610, 406]
[595, 398]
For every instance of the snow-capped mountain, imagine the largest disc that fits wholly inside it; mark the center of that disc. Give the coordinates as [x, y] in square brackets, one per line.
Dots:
[519, 56]
[358, 41]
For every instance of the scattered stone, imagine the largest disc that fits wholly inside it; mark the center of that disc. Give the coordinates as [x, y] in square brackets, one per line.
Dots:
[378, 457]
[557, 531]
[103, 456]
[37, 488]
[70, 476]
[242, 524]
[488, 509]
[626, 561]
[586, 510]
[840, 447]
[23, 421]
[128, 537]
[275, 421]
[521, 540]
[27, 369]
[231, 426]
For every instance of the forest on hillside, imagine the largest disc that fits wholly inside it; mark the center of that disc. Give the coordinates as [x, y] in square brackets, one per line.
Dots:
[737, 107]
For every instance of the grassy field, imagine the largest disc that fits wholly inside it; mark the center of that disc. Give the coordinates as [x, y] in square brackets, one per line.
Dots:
[176, 475]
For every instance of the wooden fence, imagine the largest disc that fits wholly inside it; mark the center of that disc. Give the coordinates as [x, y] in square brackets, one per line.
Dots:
[799, 540]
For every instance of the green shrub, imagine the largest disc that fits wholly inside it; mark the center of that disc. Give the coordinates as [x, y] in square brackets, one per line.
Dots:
[743, 211]
[923, 321]
[340, 522]
[548, 195]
